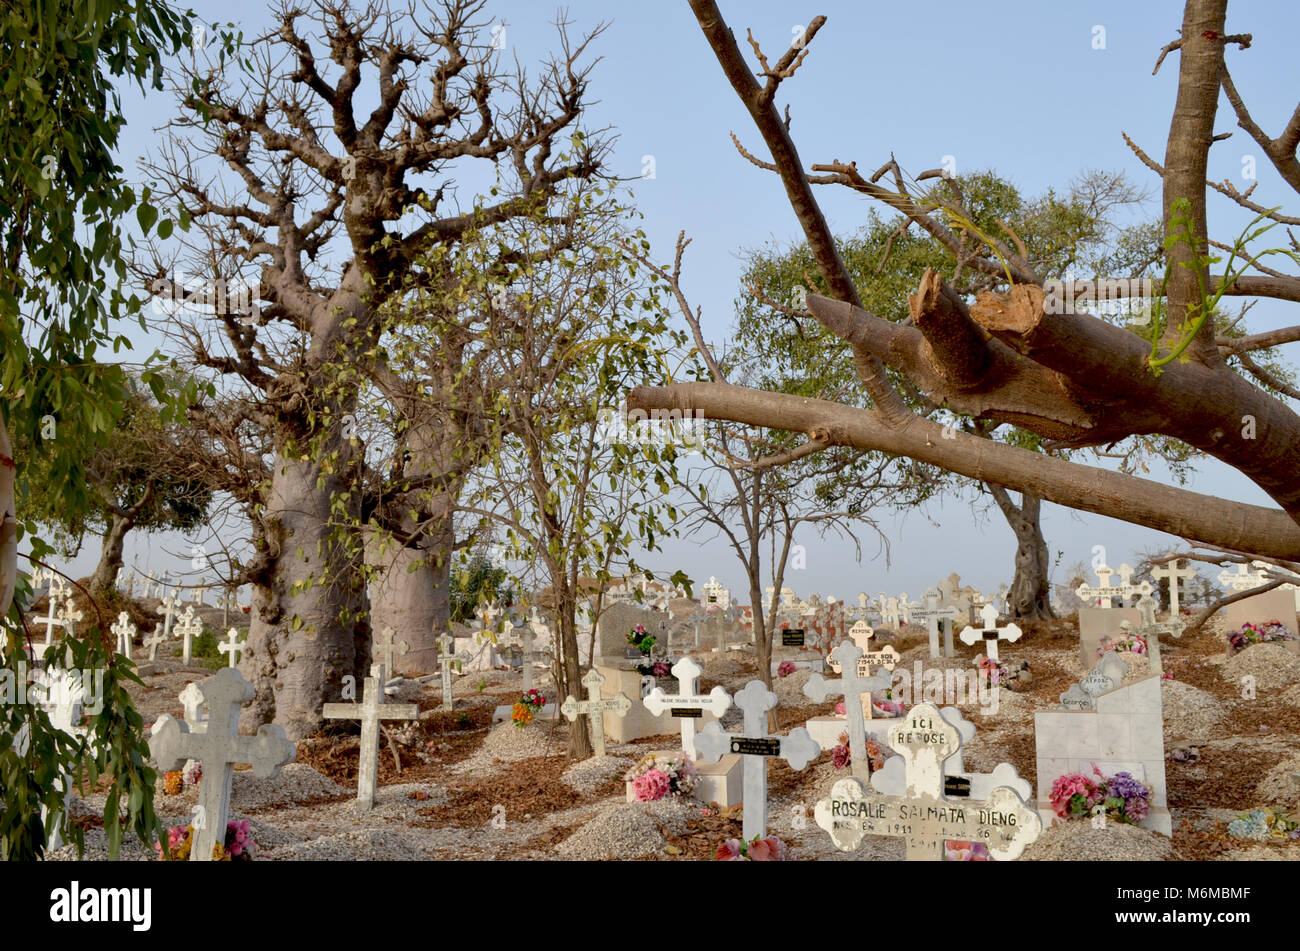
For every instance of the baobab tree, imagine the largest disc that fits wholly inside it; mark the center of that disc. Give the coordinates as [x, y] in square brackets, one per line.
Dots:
[1016, 355]
[343, 138]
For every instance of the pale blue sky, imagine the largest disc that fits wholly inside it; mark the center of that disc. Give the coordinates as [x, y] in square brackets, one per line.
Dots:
[1016, 86]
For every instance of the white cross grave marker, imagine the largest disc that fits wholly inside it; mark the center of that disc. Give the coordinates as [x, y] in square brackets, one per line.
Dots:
[385, 648]
[1104, 591]
[171, 744]
[445, 644]
[595, 709]
[167, 608]
[60, 693]
[1171, 572]
[856, 690]
[191, 701]
[188, 627]
[232, 646]
[861, 634]
[924, 816]
[200, 590]
[153, 641]
[798, 749]
[69, 616]
[990, 633]
[53, 619]
[687, 706]
[1151, 631]
[1243, 579]
[932, 614]
[370, 711]
[124, 630]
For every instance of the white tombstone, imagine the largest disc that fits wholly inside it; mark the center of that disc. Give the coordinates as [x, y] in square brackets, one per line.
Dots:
[798, 749]
[188, 627]
[1242, 579]
[1172, 573]
[572, 708]
[53, 617]
[61, 694]
[861, 634]
[153, 641]
[384, 648]
[924, 815]
[69, 617]
[219, 749]
[933, 615]
[370, 712]
[990, 633]
[192, 703]
[232, 646]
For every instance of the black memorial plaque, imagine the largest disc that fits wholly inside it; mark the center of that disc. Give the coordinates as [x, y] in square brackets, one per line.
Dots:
[956, 786]
[692, 713]
[792, 637]
[755, 746]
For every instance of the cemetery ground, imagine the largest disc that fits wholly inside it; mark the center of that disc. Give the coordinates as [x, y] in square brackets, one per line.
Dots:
[454, 785]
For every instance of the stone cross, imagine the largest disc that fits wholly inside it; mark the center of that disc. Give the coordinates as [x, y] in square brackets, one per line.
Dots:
[172, 743]
[167, 608]
[1171, 572]
[595, 708]
[856, 690]
[798, 749]
[1000, 599]
[69, 616]
[232, 646]
[861, 634]
[153, 641]
[1243, 579]
[188, 627]
[1105, 590]
[445, 643]
[525, 640]
[687, 706]
[200, 590]
[990, 633]
[891, 779]
[385, 648]
[1151, 631]
[932, 614]
[61, 694]
[191, 701]
[124, 630]
[130, 584]
[53, 619]
[924, 816]
[370, 711]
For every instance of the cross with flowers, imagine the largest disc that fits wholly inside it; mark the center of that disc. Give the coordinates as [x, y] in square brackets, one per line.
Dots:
[1150, 631]
[924, 816]
[172, 743]
[798, 749]
[856, 689]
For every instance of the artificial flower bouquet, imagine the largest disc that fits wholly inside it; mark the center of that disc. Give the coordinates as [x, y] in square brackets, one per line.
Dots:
[961, 851]
[656, 776]
[1249, 634]
[1123, 797]
[527, 707]
[175, 781]
[1133, 643]
[786, 668]
[639, 639]
[1264, 825]
[238, 846]
[760, 849]
[841, 757]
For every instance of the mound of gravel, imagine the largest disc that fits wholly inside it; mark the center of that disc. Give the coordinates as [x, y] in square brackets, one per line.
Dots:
[789, 689]
[296, 783]
[617, 832]
[1078, 841]
[1271, 665]
[591, 774]
[1291, 695]
[1277, 787]
[1190, 713]
[396, 802]
[358, 845]
[716, 667]
[509, 743]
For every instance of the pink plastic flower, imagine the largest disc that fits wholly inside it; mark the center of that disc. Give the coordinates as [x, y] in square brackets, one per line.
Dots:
[839, 709]
[770, 849]
[651, 785]
[786, 669]
[840, 757]
[729, 851]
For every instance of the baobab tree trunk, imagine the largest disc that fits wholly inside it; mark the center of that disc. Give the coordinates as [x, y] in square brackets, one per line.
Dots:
[410, 593]
[306, 600]
[1030, 594]
[104, 580]
[569, 669]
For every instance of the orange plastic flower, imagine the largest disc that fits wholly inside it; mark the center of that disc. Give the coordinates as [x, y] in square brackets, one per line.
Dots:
[521, 714]
[172, 783]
